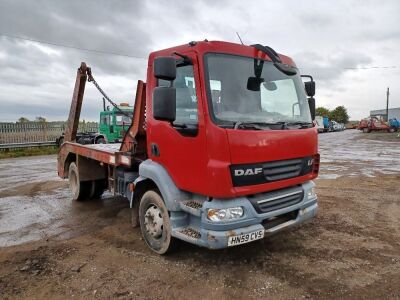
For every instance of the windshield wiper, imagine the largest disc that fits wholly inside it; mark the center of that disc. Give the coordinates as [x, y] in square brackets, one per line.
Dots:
[302, 124]
[256, 125]
[259, 125]
[246, 125]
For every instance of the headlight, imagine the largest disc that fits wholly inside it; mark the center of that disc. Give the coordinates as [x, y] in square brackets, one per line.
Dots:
[311, 193]
[224, 214]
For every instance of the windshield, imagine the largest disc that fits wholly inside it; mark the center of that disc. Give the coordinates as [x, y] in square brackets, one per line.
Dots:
[122, 120]
[247, 90]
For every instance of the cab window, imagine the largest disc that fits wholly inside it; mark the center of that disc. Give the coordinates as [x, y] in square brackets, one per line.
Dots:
[105, 119]
[186, 99]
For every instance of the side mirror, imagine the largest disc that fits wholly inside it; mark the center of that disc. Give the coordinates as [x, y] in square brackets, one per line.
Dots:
[310, 88]
[311, 104]
[164, 104]
[164, 67]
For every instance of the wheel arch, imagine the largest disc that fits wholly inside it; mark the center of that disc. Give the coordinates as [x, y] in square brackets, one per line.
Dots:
[98, 136]
[152, 174]
[71, 157]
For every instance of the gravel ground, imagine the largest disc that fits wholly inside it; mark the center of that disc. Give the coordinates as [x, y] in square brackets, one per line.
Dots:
[53, 248]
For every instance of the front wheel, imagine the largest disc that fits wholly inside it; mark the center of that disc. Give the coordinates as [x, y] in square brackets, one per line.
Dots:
[155, 223]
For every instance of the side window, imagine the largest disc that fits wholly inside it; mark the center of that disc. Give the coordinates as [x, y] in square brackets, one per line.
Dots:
[186, 99]
[105, 119]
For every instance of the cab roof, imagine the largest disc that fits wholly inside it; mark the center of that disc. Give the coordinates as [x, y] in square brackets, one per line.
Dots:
[202, 47]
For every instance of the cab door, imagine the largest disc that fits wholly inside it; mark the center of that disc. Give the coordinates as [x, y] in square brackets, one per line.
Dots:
[180, 146]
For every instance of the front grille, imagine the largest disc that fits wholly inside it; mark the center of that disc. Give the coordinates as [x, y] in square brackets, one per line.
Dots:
[275, 200]
[258, 173]
[283, 169]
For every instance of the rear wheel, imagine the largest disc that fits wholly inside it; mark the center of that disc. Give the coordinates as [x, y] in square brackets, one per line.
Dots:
[60, 141]
[97, 188]
[101, 140]
[155, 223]
[80, 189]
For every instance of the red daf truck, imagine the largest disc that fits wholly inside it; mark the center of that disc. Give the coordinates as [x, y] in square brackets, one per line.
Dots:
[221, 151]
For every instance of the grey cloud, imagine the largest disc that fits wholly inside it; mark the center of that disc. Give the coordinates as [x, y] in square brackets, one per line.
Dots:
[324, 38]
[329, 69]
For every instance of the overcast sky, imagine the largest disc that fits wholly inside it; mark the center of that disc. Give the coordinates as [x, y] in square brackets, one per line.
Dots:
[324, 38]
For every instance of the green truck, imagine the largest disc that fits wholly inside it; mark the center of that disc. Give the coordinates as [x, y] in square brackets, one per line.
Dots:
[112, 126]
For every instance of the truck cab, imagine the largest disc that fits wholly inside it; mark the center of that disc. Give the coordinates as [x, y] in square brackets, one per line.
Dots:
[114, 122]
[222, 149]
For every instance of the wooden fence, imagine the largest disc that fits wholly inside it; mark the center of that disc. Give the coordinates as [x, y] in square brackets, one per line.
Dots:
[28, 132]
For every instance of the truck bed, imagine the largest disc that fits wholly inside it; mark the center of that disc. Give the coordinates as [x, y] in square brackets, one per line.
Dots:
[105, 153]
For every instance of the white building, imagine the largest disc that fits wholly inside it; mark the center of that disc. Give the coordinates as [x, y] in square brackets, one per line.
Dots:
[393, 113]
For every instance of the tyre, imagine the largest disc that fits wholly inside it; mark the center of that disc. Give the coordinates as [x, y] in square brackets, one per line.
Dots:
[80, 189]
[97, 188]
[101, 140]
[60, 141]
[155, 223]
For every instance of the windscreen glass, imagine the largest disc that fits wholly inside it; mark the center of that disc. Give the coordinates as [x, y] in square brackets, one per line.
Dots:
[243, 89]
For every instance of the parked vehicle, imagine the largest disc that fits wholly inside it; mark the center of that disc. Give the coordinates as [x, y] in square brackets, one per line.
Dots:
[335, 126]
[326, 124]
[212, 157]
[394, 124]
[319, 121]
[113, 125]
[374, 124]
[115, 122]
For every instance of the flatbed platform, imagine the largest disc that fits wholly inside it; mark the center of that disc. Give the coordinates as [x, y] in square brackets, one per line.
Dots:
[104, 153]
[110, 148]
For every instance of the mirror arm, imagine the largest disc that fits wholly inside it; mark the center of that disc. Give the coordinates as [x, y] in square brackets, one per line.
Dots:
[308, 76]
[186, 59]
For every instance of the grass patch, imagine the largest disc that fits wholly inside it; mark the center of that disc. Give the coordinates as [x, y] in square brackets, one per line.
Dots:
[29, 152]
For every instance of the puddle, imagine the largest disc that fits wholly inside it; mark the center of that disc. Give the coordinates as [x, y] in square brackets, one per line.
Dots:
[343, 154]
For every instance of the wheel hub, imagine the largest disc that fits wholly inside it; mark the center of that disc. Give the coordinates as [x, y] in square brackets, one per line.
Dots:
[154, 221]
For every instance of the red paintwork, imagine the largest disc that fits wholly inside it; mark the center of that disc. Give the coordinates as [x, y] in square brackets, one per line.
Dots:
[201, 164]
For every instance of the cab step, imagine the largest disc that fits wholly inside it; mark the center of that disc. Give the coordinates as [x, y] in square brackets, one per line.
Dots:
[192, 207]
[187, 233]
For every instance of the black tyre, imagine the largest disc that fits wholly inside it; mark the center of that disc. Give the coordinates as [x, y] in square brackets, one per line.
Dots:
[60, 141]
[80, 189]
[155, 223]
[97, 188]
[101, 140]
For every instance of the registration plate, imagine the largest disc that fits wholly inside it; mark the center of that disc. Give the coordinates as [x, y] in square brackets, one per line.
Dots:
[245, 238]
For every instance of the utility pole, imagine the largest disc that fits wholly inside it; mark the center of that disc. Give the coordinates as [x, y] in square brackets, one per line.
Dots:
[387, 105]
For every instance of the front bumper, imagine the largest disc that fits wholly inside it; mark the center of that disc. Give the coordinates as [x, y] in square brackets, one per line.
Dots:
[193, 226]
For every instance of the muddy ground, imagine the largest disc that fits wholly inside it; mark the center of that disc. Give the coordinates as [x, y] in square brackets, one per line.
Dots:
[53, 248]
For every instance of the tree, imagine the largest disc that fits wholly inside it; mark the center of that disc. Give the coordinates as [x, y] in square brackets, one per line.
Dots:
[322, 111]
[41, 119]
[23, 120]
[340, 115]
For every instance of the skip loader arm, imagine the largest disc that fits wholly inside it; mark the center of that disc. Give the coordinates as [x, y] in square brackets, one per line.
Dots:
[76, 103]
